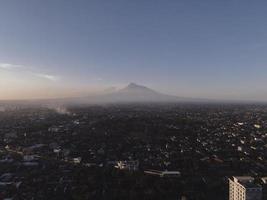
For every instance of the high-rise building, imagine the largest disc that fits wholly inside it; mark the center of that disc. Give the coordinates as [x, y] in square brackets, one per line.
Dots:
[264, 188]
[244, 188]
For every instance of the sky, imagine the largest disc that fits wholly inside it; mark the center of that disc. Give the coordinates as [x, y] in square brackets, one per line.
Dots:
[209, 49]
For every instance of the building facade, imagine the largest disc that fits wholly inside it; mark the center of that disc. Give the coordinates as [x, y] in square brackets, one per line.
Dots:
[244, 188]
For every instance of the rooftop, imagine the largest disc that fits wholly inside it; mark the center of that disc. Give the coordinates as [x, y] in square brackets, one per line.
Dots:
[246, 181]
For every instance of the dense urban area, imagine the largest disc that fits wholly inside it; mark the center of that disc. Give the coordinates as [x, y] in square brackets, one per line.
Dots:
[131, 151]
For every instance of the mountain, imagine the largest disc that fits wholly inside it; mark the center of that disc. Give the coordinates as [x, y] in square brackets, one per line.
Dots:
[134, 88]
[139, 93]
[132, 93]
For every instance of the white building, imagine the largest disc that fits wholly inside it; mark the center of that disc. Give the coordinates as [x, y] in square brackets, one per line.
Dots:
[244, 188]
[132, 165]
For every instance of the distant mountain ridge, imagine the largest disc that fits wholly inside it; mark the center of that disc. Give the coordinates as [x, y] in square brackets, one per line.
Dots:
[134, 86]
[130, 94]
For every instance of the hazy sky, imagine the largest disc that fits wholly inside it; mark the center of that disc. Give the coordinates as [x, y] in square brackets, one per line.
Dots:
[197, 48]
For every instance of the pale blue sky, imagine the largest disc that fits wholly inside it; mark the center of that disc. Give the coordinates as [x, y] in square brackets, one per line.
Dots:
[207, 48]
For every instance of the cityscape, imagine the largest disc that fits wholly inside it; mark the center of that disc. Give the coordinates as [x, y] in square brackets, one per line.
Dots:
[135, 151]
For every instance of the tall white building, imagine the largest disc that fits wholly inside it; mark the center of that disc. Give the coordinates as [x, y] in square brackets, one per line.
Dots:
[244, 188]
